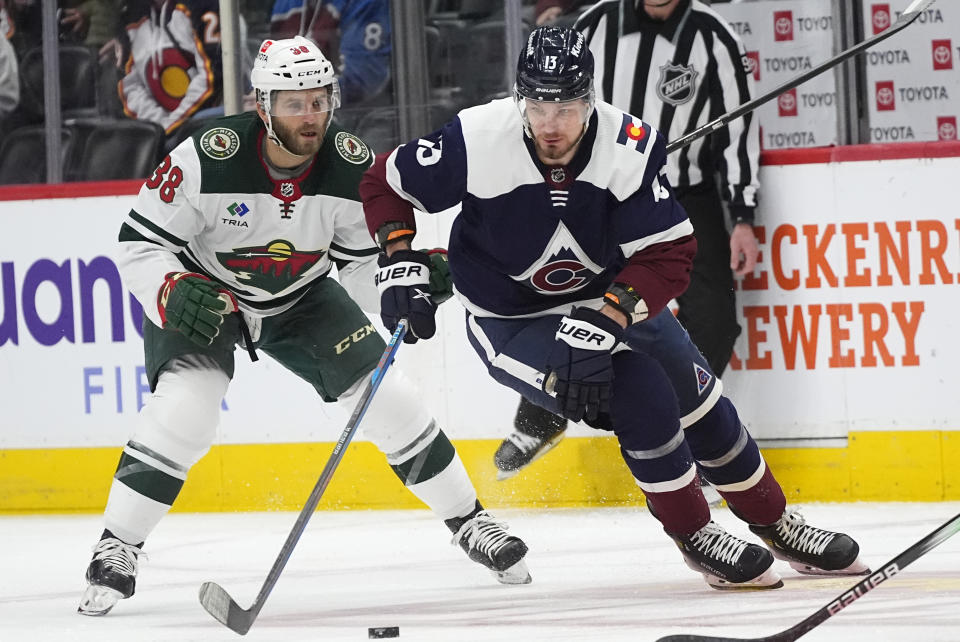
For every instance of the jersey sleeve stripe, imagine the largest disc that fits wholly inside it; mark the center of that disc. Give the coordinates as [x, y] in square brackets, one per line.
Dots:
[157, 230]
[129, 234]
[678, 231]
[348, 253]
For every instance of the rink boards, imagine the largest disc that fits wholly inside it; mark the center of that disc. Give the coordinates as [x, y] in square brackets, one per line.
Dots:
[844, 370]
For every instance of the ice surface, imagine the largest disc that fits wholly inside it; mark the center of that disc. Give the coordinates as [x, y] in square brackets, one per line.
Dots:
[606, 574]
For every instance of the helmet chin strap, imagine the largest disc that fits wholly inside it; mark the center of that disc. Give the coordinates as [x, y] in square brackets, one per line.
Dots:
[272, 135]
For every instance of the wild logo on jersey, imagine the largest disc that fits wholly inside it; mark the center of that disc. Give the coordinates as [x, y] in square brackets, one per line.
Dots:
[273, 267]
[563, 267]
[677, 83]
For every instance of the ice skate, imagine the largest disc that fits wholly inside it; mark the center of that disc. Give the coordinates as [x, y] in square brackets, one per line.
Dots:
[727, 562]
[111, 576]
[810, 550]
[536, 431]
[485, 540]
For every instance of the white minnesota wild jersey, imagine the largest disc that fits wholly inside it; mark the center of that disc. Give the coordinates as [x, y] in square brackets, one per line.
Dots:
[212, 207]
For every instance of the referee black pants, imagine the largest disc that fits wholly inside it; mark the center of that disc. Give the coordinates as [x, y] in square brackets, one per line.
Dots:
[708, 307]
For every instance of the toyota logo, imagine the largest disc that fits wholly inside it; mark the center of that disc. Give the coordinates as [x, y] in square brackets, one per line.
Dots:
[881, 20]
[947, 131]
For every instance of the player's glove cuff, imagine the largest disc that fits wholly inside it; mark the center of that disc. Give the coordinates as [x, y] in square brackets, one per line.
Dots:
[588, 329]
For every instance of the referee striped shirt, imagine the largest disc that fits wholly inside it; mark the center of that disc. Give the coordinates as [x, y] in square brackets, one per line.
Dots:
[680, 74]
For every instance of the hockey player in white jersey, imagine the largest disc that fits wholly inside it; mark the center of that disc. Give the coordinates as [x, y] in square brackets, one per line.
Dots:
[231, 241]
[568, 246]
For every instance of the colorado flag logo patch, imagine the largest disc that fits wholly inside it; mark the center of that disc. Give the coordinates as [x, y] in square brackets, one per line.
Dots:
[633, 134]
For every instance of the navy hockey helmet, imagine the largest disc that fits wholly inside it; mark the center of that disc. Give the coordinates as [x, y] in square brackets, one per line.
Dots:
[555, 65]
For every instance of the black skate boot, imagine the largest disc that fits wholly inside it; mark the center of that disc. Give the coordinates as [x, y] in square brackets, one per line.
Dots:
[727, 562]
[111, 576]
[536, 431]
[485, 541]
[810, 550]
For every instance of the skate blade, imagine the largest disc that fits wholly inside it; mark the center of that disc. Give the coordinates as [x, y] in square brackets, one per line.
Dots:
[516, 574]
[98, 600]
[506, 474]
[547, 447]
[766, 581]
[856, 568]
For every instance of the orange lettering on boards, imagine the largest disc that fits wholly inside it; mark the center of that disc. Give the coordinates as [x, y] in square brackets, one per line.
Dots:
[888, 334]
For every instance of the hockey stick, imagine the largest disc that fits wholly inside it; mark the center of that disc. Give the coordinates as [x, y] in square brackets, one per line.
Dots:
[910, 14]
[846, 598]
[213, 597]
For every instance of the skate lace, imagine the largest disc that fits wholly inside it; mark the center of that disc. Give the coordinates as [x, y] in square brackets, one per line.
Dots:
[715, 542]
[795, 532]
[118, 555]
[484, 533]
[524, 442]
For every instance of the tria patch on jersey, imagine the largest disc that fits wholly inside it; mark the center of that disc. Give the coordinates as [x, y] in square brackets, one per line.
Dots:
[703, 378]
[677, 83]
[351, 148]
[220, 143]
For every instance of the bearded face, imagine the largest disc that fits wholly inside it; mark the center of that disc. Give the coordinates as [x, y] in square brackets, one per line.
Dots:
[302, 135]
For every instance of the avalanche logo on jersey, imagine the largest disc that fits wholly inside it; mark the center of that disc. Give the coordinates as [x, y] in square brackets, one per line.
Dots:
[703, 378]
[273, 268]
[676, 84]
[563, 267]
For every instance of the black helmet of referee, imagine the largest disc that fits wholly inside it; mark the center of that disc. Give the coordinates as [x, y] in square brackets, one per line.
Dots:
[555, 65]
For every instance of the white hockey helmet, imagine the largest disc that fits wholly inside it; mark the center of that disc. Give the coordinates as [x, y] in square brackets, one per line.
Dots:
[291, 64]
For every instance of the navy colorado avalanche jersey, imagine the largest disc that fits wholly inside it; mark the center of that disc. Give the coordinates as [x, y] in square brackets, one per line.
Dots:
[532, 240]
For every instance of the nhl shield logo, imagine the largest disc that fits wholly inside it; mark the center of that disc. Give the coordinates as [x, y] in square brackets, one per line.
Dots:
[677, 83]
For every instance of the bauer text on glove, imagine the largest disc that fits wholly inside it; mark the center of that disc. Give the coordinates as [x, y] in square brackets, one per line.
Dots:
[580, 365]
[404, 283]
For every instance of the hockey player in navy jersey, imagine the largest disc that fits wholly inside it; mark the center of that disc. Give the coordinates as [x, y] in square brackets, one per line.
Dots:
[567, 248]
[207, 286]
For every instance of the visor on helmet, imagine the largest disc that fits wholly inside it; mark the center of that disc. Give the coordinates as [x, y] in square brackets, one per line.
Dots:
[284, 103]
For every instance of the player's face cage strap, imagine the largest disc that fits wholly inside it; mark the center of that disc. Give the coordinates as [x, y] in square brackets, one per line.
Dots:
[625, 298]
[394, 231]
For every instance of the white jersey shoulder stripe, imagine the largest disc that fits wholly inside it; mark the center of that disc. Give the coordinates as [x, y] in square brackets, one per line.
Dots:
[493, 137]
[678, 231]
[617, 165]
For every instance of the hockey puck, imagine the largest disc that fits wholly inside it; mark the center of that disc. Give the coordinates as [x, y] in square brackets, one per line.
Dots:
[380, 632]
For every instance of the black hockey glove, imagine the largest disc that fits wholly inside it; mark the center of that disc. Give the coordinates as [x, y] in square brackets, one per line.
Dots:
[193, 305]
[580, 366]
[404, 283]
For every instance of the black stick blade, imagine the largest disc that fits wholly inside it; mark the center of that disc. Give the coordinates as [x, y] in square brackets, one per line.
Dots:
[221, 606]
[701, 638]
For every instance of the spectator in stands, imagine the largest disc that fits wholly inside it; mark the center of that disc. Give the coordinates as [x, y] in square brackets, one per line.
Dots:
[358, 29]
[172, 60]
[9, 80]
[552, 11]
[89, 22]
